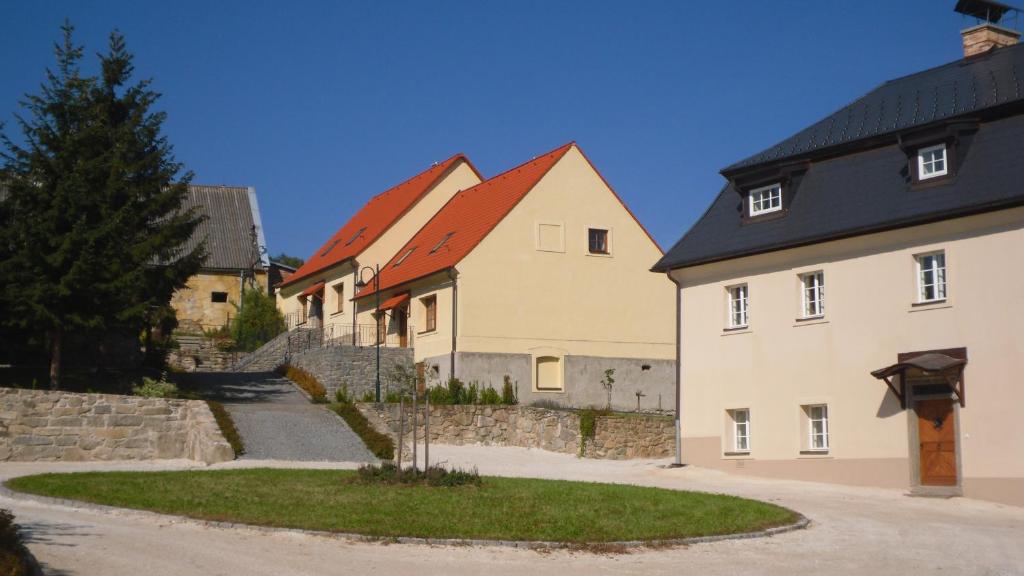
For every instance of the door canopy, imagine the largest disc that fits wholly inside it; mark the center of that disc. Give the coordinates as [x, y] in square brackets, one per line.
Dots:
[948, 364]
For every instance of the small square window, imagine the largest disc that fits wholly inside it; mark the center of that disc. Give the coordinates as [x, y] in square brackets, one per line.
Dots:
[219, 297]
[598, 241]
[813, 294]
[766, 199]
[931, 277]
[737, 309]
[932, 162]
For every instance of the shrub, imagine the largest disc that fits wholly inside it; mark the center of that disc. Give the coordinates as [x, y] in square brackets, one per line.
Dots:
[306, 381]
[508, 392]
[439, 395]
[490, 396]
[588, 425]
[156, 388]
[456, 391]
[227, 427]
[341, 395]
[391, 397]
[434, 476]
[13, 555]
[472, 395]
[379, 444]
[369, 396]
[257, 322]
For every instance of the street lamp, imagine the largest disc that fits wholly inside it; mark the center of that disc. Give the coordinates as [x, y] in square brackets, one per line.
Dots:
[360, 284]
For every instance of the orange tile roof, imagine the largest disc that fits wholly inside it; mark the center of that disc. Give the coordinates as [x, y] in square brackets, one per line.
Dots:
[463, 222]
[373, 219]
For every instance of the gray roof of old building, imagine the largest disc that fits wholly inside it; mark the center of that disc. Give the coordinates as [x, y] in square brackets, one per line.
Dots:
[231, 213]
[856, 172]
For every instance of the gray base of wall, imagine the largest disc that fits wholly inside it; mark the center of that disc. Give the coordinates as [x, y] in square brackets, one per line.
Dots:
[352, 367]
[583, 376]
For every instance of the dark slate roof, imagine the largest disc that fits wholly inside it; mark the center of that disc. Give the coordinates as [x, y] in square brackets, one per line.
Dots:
[231, 213]
[958, 88]
[861, 193]
[865, 189]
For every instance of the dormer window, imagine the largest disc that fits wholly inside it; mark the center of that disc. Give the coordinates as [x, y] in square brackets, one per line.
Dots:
[766, 199]
[932, 162]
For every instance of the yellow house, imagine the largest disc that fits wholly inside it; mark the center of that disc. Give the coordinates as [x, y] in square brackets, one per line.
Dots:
[850, 302]
[236, 249]
[319, 294]
[538, 274]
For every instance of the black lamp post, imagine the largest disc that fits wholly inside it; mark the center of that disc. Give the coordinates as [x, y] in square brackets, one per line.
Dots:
[376, 288]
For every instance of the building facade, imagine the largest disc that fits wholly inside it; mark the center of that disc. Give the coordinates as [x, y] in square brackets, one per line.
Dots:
[847, 304]
[537, 275]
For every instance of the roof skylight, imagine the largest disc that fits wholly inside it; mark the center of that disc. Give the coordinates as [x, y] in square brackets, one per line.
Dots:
[441, 243]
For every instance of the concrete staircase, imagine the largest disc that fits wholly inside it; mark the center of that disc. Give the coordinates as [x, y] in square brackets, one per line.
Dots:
[268, 357]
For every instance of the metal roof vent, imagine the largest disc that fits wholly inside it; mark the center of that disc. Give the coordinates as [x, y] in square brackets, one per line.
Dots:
[987, 35]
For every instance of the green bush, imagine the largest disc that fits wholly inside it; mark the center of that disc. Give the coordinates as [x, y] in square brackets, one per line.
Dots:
[588, 425]
[227, 427]
[379, 444]
[257, 322]
[341, 394]
[156, 388]
[490, 396]
[306, 381]
[390, 474]
[472, 395]
[456, 391]
[508, 392]
[13, 554]
[369, 396]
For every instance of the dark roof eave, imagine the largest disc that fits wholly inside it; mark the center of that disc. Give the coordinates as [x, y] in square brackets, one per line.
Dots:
[406, 283]
[884, 227]
[292, 279]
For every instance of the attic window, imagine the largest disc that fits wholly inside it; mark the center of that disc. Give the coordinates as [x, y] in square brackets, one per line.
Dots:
[931, 162]
[329, 248]
[356, 236]
[441, 243]
[766, 199]
[404, 256]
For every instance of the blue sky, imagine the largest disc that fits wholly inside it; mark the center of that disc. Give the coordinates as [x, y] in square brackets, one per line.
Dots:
[320, 105]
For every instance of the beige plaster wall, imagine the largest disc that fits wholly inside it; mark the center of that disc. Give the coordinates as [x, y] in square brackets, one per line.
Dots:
[780, 363]
[192, 303]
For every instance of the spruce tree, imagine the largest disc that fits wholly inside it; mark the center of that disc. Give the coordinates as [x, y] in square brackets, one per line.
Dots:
[94, 225]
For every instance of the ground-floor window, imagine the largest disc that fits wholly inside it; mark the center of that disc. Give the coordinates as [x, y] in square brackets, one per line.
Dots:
[816, 417]
[740, 421]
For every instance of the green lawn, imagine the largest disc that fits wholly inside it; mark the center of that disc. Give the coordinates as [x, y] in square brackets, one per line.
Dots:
[503, 508]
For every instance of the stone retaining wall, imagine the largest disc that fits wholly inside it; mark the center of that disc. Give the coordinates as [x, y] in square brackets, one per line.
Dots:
[53, 425]
[616, 437]
[355, 367]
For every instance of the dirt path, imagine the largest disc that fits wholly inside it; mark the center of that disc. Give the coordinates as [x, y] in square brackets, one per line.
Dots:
[853, 531]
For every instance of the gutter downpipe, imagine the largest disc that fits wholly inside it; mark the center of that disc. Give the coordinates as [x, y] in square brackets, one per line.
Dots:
[679, 371]
[455, 315]
[355, 278]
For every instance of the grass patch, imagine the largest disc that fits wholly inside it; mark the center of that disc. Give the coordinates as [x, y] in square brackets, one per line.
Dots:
[379, 444]
[13, 554]
[500, 508]
[306, 381]
[227, 427]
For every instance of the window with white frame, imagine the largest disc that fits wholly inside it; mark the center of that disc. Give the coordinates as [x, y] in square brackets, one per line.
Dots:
[931, 162]
[766, 199]
[738, 306]
[740, 430]
[931, 276]
[817, 427]
[812, 294]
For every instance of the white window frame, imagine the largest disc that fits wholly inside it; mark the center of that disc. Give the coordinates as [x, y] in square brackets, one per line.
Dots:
[738, 317]
[766, 199]
[812, 294]
[939, 272]
[736, 426]
[811, 435]
[922, 163]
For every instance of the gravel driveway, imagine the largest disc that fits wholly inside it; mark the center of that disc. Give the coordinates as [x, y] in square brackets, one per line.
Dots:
[277, 422]
[854, 531]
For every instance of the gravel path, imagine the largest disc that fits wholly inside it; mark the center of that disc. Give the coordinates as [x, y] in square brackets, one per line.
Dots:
[854, 531]
[277, 422]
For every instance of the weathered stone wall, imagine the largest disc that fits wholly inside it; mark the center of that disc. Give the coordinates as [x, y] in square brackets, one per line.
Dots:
[352, 366]
[616, 437]
[46, 425]
[200, 354]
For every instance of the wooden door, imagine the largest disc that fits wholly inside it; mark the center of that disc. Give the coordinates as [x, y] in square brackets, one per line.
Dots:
[403, 326]
[937, 434]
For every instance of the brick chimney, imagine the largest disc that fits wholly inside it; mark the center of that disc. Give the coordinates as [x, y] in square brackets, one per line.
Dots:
[985, 37]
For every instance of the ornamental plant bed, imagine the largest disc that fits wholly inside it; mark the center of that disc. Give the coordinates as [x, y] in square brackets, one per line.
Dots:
[498, 509]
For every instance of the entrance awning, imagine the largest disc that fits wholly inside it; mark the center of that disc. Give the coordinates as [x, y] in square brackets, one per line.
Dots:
[395, 301]
[312, 290]
[945, 363]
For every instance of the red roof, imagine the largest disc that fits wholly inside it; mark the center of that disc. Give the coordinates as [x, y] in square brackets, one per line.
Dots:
[394, 301]
[312, 289]
[373, 219]
[463, 222]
